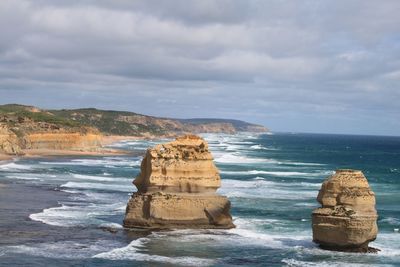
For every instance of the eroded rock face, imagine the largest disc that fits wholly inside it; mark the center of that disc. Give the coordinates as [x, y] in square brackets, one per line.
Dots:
[9, 143]
[347, 219]
[177, 188]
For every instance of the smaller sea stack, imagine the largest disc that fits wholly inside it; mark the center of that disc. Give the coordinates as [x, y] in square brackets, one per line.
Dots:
[177, 188]
[347, 219]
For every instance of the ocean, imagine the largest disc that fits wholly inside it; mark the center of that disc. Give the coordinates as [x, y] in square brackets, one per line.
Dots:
[68, 211]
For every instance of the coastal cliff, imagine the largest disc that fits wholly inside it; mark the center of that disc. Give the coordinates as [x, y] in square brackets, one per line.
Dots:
[177, 188]
[24, 129]
[22, 134]
[347, 219]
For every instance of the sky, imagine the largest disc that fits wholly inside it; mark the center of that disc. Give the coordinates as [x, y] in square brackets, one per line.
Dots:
[293, 66]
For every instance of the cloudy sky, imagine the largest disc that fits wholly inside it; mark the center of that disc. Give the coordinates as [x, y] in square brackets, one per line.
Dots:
[302, 66]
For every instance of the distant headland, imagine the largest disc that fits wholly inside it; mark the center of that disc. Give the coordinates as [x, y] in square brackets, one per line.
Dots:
[32, 131]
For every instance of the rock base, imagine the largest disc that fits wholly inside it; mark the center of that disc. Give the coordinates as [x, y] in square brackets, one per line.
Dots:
[361, 249]
[161, 210]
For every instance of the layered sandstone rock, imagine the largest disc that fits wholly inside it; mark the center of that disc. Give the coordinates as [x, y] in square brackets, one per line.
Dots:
[58, 140]
[9, 143]
[347, 219]
[20, 136]
[177, 188]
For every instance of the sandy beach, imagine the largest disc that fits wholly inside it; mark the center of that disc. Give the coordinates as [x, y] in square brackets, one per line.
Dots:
[5, 157]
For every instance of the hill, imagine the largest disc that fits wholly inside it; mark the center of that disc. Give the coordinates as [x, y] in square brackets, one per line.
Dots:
[27, 127]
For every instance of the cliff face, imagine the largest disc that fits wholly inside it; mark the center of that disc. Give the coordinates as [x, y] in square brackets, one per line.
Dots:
[177, 188]
[9, 143]
[19, 133]
[347, 219]
[63, 141]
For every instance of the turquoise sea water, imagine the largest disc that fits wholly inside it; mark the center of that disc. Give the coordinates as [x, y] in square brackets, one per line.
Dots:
[271, 180]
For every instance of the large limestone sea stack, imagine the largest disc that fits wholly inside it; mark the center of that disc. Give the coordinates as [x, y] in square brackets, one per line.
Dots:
[177, 188]
[347, 219]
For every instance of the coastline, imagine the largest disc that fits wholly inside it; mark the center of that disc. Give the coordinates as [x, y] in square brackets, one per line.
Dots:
[100, 151]
[5, 157]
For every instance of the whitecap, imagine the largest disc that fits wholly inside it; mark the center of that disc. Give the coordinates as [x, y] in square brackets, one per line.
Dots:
[23, 177]
[99, 186]
[77, 214]
[391, 220]
[12, 166]
[133, 252]
[261, 147]
[336, 263]
[63, 249]
[257, 188]
[276, 173]
[301, 163]
[110, 162]
[111, 225]
[100, 178]
[238, 159]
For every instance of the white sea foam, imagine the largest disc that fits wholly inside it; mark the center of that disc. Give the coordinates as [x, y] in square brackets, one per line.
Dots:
[12, 166]
[301, 163]
[238, 159]
[23, 177]
[78, 214]
[391, 220]
[261, 147]
[277, 173]
[63, 249]
[98, 186]
[110, 162]
[111, 225]
[134, 252]
[100, 178]
[261, 188]
[298, 263]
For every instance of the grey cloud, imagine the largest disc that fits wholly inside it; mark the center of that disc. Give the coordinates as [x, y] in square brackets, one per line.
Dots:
[272, 62]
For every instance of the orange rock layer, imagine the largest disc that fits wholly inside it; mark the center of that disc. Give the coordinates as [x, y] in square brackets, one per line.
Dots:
[347, 219]
[177, 188]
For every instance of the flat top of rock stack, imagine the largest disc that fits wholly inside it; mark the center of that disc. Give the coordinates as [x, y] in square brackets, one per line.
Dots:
[183, 165]
[187, 147]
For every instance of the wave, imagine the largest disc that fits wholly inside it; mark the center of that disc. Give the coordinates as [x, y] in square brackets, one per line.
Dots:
[100, 178]
[238, 159]
[64, 249]
[263, 189]
[391, 221]
[261, 147]
[133, 252]
[106, 162]
[99, 186]
[277, 173]
[111, 225]
[336, 263]
[300, 163]
[78, 214]
[12, 166]
[25, 177]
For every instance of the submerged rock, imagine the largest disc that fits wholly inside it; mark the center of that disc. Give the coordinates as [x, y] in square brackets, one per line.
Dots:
[347, 219]
[177, 188]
